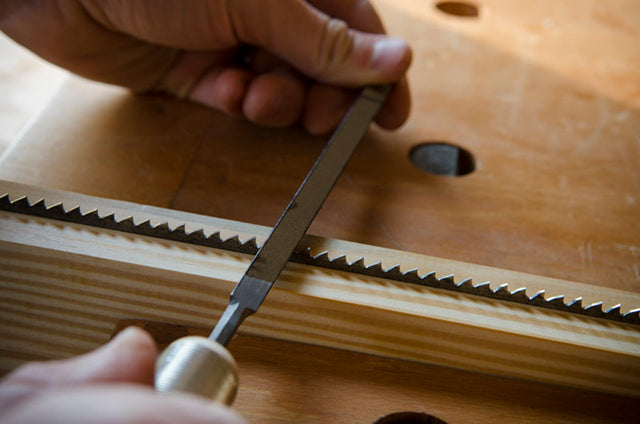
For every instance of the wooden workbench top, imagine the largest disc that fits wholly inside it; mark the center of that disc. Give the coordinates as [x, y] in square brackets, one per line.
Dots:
[544, 96]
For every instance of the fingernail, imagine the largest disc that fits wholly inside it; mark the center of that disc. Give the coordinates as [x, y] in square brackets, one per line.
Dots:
[390, 53]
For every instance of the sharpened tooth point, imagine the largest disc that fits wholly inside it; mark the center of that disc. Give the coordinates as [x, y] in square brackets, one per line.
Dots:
[614, 309]
[324, 252]
[632, 316]
[467, 283]
[340, 262]
[539, 295]
[358, 262]
[34, 203]
[430, 275]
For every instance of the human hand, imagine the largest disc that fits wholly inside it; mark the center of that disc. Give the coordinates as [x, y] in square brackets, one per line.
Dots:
[305, 60]
[107, 386]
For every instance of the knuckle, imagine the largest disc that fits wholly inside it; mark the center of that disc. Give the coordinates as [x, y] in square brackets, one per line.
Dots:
[334, 49]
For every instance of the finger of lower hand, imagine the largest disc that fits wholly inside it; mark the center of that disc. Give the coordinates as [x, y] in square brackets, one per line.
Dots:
[118, 404]
[129, 357]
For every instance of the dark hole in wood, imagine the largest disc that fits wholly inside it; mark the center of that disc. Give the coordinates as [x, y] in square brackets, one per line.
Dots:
[442, 158]
[458, 8]
[409, 418]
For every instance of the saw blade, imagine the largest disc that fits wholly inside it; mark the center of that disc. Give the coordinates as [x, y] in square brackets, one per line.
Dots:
[303, 254]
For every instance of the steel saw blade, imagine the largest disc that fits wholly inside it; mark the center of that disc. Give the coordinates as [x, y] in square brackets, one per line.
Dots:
[37, 205]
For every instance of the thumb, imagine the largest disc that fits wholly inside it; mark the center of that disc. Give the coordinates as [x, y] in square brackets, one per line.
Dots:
[318, 45]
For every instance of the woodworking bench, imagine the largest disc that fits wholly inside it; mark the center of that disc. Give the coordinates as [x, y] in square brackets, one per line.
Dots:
[539, 103]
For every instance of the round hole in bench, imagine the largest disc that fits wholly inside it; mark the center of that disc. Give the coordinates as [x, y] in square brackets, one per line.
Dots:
[409, 418]
[458, 8]
[442, 158]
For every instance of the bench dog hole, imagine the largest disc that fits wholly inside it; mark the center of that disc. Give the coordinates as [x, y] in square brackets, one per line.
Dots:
[409, 418]
[458, 8]
[442, 158]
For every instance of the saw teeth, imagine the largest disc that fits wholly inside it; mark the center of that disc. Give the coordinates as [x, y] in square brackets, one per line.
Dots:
[74, 213]
[233, 243]
[465, 286]
[394, 273]
[198, 237]
[251, 244]
[614, 312]
[556, 301]
[341, 262]
[129, 224]
[430, 278]
[358, 265]
[538, 297]
[632, 317]
[92, 217]
[376, 270]
[502, 292]
[614, 309]
[303, 255]
[322, 258]
[447, 283]
[146, 227]
[575, 306]
[214, 238]
[483, 289]
[520, 295]
[162, 229]
[412, 277]
[595, 310]
[40, 206]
